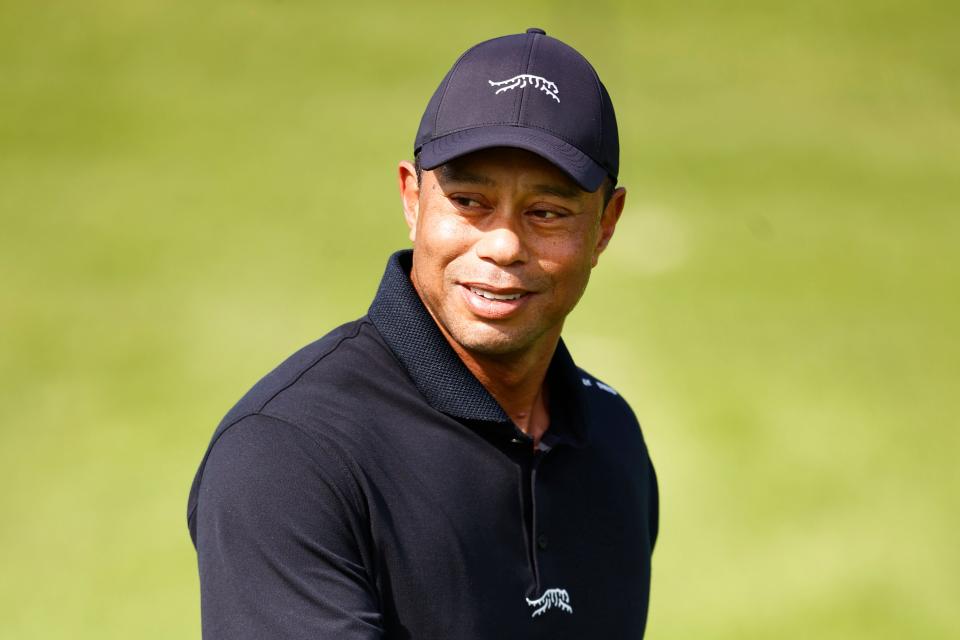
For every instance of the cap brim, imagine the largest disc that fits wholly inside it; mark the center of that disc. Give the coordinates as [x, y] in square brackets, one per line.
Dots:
[578, 165]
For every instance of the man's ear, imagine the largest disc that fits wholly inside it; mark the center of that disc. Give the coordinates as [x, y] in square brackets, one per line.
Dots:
[409, 195]
[608, 221]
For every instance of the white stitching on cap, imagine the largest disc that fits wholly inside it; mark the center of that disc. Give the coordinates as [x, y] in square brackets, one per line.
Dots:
[522, 80]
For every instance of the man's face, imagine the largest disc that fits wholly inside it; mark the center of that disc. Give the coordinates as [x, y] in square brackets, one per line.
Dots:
[503, 246]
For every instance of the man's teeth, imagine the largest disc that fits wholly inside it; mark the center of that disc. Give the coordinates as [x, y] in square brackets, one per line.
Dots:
[494, 296]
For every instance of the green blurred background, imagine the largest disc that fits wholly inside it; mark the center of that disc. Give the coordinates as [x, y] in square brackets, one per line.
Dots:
[191, 191]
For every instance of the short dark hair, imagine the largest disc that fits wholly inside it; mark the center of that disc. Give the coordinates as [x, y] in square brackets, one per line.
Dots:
[608, 186]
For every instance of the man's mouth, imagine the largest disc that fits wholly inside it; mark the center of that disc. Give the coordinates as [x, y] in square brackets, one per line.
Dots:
[490, 295]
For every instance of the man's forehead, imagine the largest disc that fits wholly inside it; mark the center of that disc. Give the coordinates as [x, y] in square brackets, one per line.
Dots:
[490, 166]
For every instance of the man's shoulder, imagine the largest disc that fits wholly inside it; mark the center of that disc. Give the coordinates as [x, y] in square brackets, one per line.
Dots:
[321, 352]
[603, 397]
[320, 375]
[307, 404]
[607, 409]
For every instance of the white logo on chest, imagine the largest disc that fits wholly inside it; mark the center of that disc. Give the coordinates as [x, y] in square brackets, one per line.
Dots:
[524, 79]
[551, 598]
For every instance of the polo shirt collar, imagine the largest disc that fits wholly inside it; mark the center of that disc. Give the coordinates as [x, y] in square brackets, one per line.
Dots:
[444, 380]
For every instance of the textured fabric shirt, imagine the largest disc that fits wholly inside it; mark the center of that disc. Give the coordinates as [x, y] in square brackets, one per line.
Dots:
[371, 487]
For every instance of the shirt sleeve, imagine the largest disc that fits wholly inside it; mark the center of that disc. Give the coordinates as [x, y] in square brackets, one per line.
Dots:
[280, 539]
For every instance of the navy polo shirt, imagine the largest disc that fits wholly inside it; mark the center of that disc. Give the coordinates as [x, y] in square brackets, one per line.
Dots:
[370, 487]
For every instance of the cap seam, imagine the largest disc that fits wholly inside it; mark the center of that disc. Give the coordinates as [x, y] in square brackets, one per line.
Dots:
[596, 79]
[446, 86]
[526, 69]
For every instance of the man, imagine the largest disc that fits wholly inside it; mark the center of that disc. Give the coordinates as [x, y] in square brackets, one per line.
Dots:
[440, 468]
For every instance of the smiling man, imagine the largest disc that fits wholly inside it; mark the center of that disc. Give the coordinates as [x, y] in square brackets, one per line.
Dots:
[441, 468]
[504, 243]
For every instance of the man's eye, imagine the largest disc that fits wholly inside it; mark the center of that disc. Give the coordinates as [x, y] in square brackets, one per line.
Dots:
[465, 202]
[545, 214]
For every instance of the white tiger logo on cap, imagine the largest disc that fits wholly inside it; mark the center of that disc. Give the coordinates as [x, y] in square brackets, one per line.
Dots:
[524, 79]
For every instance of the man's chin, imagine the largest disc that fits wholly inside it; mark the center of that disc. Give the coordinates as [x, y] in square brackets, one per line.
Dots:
[482, 339]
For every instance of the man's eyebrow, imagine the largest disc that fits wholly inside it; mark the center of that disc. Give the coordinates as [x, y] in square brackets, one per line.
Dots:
[450, 172]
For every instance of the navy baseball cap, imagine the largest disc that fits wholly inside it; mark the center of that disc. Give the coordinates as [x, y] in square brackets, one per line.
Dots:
[527, 91]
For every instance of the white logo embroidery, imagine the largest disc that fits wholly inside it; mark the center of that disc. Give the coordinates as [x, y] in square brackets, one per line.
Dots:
[607, 388]
[551, 598]
[522, 80]
[586, 382]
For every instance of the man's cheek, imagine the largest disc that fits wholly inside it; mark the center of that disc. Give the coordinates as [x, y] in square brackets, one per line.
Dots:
[447, 236]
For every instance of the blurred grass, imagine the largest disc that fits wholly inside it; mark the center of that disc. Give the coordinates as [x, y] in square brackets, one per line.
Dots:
[188, 192]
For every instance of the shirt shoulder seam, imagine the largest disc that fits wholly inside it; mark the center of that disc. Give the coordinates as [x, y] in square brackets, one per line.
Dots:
[364, 321]
[335, 455]
[313, 438]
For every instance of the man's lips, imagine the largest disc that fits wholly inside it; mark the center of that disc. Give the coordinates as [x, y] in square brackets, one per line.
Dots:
[491, 293]
[493, 302]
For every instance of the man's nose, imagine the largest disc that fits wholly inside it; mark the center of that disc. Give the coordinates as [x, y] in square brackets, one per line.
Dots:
[501, 245]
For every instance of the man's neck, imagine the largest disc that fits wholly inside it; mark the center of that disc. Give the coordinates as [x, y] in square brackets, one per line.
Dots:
[516, 382]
